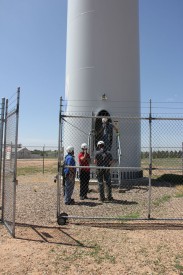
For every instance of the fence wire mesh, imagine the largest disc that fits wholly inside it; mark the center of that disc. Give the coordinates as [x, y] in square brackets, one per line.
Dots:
[10, 163]
[37, 159]
[144, 179]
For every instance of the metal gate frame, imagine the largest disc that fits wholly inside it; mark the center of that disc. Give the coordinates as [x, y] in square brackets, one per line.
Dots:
[10, 165]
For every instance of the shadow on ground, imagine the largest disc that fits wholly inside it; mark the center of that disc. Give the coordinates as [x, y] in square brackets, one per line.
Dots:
[47, 234]
[64, 235]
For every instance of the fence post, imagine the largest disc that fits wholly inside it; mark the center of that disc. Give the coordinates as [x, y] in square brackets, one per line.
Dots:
[182, 158]
[150, 161]
[1, 135]
[59, 158]
[16, 134]
[43, 157]
[4, 157]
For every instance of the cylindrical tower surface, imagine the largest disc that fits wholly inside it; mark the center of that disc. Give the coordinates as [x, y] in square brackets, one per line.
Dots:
[103, 59]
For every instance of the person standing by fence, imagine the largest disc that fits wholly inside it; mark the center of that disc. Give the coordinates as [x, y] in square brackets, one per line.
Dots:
[69, 175]
[103, 158]
[84, 175]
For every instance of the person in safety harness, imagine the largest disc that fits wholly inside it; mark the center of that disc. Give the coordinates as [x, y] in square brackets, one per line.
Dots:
[103, 158]
[106, 132]
[84, 175]
[69, 173]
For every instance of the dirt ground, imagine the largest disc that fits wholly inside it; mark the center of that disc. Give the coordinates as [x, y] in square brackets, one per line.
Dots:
[93, 247]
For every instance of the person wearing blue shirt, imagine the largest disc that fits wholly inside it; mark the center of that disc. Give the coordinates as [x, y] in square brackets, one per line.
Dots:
[69, 173]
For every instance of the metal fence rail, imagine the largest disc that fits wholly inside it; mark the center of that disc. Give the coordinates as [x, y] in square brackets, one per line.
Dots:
[10, 162]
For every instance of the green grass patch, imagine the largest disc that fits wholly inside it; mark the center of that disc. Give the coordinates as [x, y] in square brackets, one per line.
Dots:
[96, 252]
[163, 162]
[31, 170]
[178, 266]
[135, 215]
[100, 255]
[179, 195]
[179, 191]
[28, 170]
[162, 200]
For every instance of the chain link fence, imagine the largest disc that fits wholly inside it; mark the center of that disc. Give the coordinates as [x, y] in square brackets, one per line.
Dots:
[10, 162]
[138, 175]
[142, 180]
[37, 159]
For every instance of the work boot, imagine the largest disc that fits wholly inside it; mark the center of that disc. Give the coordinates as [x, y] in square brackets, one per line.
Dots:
[102, 199]
[110, 199]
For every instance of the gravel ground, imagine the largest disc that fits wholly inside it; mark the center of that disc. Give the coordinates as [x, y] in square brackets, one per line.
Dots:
[93, 246]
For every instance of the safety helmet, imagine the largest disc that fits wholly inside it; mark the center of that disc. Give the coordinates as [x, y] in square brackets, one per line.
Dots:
[84, 146]
[70, 149]
[100, 143]
[104, 119]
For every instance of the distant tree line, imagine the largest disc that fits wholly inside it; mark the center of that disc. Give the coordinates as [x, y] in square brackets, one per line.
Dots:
[155, 154]
[46, 153]
[163, 154]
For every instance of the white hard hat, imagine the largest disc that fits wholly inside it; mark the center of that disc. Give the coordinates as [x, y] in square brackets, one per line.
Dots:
[100, 143]
[84, 146]
[104, 119]
[70, 149]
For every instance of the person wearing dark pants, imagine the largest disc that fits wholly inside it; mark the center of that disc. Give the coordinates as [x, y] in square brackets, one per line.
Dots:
[103, 158]
[84, 176]
[69, 173]
[104, 175]
[84, 183]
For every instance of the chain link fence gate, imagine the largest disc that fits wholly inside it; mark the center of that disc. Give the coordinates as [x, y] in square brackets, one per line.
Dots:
[2, 106]
[10, 163]
[146, 180]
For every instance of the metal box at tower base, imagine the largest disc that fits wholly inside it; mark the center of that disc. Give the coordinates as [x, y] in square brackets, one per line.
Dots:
[102, 72]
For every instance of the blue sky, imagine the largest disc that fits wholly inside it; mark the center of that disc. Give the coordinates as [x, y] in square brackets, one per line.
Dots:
[161, 43]
[32, 56]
